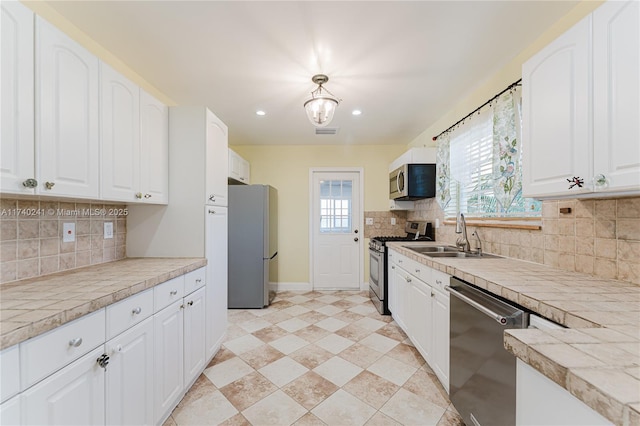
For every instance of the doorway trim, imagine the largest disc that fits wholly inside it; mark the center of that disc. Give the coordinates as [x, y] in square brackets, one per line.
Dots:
[360, 220]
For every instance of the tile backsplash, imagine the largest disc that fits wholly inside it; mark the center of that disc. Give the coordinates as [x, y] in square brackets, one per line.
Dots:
[31, 236]
[598, 237]
[382, 226]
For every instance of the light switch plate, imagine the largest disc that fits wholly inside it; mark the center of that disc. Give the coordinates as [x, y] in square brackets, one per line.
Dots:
[369, 221]
[393, 220]
[108, 230]
[68, 232]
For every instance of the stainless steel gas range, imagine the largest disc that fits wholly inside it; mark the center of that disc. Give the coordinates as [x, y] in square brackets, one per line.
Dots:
[378, 269]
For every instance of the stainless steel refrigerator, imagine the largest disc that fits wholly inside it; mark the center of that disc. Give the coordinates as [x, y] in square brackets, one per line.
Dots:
[253, 244]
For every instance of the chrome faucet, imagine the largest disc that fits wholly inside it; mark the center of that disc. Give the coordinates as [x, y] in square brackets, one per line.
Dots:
[479, 245]
[461, 228]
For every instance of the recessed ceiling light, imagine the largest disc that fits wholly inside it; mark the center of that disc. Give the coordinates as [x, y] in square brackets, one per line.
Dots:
[260, 112]
[356, 112]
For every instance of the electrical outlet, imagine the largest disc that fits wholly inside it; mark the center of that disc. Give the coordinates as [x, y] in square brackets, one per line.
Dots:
[108, 230]
[369, 221]
[68, 232]
[437, 223]
[393, 220]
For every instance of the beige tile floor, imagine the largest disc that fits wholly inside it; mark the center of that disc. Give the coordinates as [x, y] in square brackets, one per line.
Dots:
[316, 358]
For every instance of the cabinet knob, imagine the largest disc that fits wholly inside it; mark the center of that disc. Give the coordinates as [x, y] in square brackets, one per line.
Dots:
[212, 211]
[408, 280]
[103, 361]
[432, 293]
[173, 292]
[199, 280]
[190, 303]
[600, 181]
[439, 282]
[417, 271]
[393, 267]
[147, 196]
[75, 342]
[139, 195]
[49, 185]
[137, 310]
[30, 183]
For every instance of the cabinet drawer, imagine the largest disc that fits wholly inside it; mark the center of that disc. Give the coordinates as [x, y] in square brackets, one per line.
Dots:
[42, 355]
[194, 280]
[129, 312]
[9, 372]
[168, 292]
[440, 279]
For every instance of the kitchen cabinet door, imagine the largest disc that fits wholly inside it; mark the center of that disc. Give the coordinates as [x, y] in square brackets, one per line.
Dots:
[420, 322]
[194, 336]
[216, 282]
[10, 411]
[120, 135]
[616, 96]
[440, 350]
[154, 150]
[17, 88]
[67, 114]
[74, 395]
[401, 303]
[556, 135]
[391, 284]
[239, 168]
[168, 337]
[217, 161]
[130, 376]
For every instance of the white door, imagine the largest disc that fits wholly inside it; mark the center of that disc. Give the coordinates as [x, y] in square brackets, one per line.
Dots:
[67, 108]
[130, 376]
[154, 149]
[17, 156]
[336, 224]
[216, 232]
[168, 358]
[194, 335]
[72, 396]
[616, 67]
[120, 135]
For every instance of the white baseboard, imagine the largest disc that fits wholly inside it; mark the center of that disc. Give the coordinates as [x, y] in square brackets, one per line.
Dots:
[291, 286]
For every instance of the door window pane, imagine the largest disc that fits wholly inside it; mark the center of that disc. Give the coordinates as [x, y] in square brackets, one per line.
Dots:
[335, 206]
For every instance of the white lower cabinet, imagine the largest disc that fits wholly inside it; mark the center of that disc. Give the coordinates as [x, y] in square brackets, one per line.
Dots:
[194, 335]
[168, 360]
[10, 411]
[130, 376]
[72, 396]
[421, 309]
[154, 356]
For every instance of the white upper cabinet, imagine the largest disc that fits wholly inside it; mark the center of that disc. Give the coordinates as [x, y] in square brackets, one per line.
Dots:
[120, 135]
[67, 114]
[17, 156]
[557, 139]
[239, 168]
[581, 108]
[616, 96]
[217, 162]
[154, 150]
[414, 155]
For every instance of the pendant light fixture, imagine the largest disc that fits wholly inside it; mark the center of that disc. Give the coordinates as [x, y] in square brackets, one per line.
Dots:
[322, 104]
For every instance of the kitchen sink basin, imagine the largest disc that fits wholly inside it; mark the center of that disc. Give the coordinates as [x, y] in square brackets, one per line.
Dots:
[432, 249]
[449, 251]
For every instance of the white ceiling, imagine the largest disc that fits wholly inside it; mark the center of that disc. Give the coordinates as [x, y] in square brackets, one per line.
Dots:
[404, 64]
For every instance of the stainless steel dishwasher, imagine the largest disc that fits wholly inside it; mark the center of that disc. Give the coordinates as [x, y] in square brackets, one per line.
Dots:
[482, 373]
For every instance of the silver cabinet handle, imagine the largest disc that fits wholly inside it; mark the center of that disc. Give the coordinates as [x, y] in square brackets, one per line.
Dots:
[439, 282]
[393, 267]
[199, 280]
[212, 198]
[136, 311]
[408, 279]
[173, 292]
[30, 183]
[75, 342]
[147, 195]
[49, 185]
[190, 303]
[212, 211]
[417, 271]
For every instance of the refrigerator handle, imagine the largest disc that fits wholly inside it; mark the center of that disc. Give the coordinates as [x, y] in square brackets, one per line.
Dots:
[270, 258]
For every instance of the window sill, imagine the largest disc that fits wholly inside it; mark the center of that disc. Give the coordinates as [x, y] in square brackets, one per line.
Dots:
[532, 224]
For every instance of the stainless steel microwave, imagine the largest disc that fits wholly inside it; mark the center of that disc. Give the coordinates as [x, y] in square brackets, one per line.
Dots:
[412, 182]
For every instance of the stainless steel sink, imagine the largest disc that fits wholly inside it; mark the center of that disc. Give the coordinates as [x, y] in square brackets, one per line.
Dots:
[449, 251]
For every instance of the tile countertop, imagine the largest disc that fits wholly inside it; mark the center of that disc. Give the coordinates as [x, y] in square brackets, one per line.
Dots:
[597, 358]
[34, 306]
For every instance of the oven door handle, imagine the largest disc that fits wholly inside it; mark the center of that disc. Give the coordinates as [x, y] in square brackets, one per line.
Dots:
[488, 312]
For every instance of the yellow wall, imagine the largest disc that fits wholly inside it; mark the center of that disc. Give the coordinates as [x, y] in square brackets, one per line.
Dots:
[286, 167]
[48, 13]
[507, 75]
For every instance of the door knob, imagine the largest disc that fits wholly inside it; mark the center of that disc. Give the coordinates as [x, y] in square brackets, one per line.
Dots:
[355, 231]
[355, 239]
